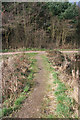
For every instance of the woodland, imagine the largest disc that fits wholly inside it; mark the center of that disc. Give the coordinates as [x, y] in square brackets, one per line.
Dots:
[40, 25]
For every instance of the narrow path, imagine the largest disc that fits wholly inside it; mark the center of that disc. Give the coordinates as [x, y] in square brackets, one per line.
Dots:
[32, 106]
[70, 51]
[13, 53]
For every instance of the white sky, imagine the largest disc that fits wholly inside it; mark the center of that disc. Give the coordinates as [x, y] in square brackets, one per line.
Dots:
[39, 0]
[74, 0]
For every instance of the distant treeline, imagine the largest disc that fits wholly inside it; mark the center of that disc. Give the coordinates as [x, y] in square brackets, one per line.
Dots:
[40, 25]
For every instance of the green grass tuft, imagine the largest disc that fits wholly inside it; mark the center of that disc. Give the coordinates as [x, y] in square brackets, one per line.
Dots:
[61, 98]
[0, 113]
[19, 100]
[50, 116]
[62, 110]
[26, 89]
[7, 111]
[61, 87]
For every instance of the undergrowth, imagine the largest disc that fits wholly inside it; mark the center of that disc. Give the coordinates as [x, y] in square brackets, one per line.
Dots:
[17, 103]
[64, 107]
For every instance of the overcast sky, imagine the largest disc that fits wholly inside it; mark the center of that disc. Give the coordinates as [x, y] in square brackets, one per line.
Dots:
[74, 0]
[39, 0]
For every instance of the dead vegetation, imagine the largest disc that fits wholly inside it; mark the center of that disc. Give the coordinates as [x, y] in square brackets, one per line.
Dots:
[15, 70]
[65, 63]
[56, 58]
[68, 67]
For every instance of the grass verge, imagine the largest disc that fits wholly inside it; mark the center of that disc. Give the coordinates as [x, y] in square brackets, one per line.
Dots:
[64, 103]
[23, 49]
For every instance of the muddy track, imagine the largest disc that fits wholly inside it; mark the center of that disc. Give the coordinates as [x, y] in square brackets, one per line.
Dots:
[32, 105]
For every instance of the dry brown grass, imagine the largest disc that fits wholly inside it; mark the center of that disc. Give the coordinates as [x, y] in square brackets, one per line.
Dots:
[14, 75]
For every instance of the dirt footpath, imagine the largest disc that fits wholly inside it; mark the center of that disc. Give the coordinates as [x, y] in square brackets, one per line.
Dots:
[32, 106]
[14, 53]
[42, 52]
